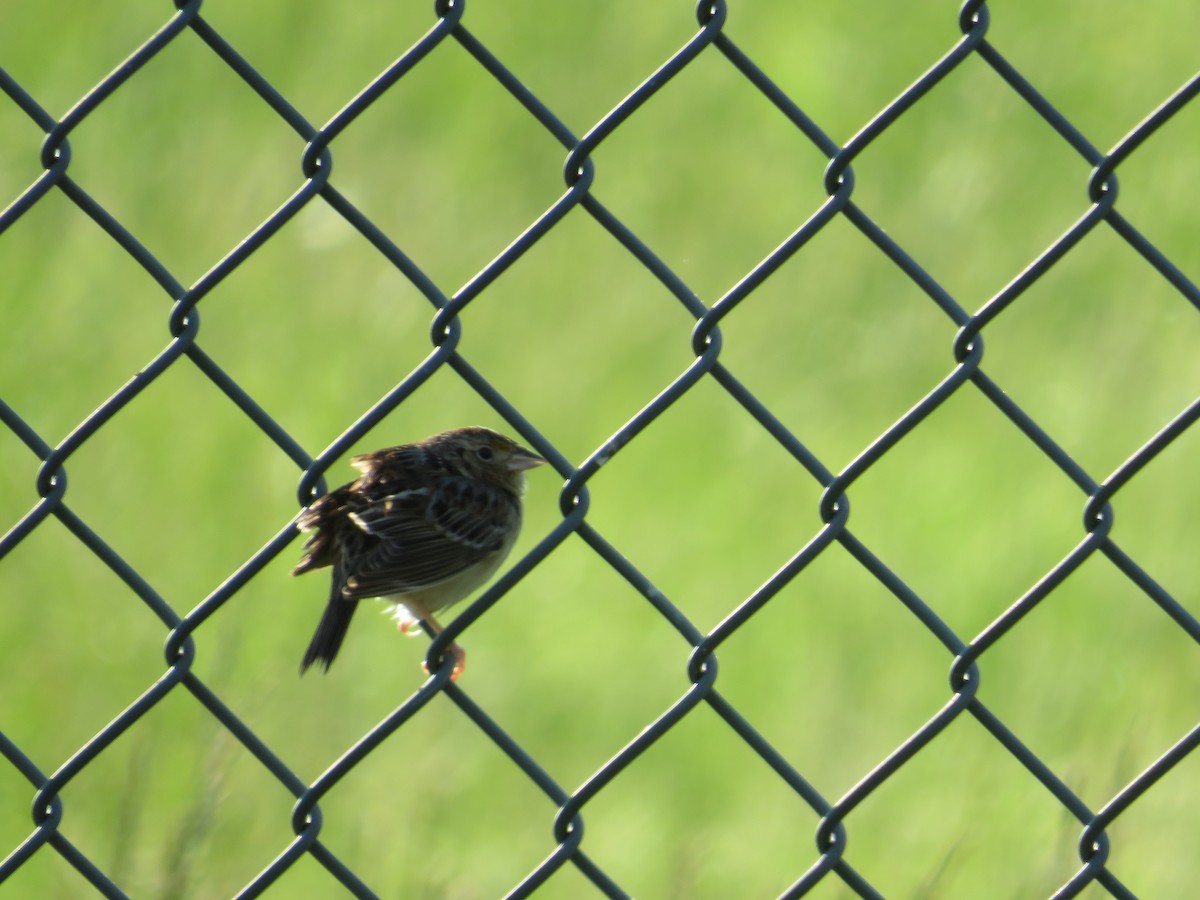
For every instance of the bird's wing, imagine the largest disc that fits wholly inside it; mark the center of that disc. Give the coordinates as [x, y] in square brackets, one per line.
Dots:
[422, 536]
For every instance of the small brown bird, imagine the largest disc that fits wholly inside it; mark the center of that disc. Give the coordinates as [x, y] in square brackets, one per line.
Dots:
[423, 526]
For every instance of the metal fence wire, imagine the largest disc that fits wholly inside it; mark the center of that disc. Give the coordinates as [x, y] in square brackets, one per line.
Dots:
[52, 822]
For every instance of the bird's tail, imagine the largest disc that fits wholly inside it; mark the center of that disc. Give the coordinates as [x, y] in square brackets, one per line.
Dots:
[330, 632]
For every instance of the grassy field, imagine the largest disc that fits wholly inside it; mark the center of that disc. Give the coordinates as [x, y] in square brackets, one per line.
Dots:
[573, 663]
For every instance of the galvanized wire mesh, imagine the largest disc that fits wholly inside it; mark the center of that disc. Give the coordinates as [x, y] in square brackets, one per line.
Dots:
[51, 832]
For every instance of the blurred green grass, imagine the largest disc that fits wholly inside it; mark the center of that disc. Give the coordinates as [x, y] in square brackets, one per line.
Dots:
[573, 663]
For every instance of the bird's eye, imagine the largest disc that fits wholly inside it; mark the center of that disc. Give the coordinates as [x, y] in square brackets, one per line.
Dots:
[485, 453]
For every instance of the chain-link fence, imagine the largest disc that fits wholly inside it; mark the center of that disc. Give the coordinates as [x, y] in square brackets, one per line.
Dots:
[966, 372]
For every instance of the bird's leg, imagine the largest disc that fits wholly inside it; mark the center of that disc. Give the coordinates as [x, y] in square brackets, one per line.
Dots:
[421, 616]
[459, 654]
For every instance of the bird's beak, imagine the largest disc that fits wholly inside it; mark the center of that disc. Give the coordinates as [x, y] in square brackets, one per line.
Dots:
[525, 460]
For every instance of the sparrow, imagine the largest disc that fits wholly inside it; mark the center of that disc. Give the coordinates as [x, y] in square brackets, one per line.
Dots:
[423, 526]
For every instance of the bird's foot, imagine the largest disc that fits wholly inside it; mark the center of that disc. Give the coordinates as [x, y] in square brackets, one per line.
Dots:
[460, 661]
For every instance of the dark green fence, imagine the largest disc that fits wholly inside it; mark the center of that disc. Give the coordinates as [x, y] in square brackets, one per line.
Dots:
[965, 371]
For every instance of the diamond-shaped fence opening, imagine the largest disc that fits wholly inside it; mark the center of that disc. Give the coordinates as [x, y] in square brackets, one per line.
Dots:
[856, 364]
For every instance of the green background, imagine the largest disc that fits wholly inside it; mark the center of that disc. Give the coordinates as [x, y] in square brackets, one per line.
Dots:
[1102, 352]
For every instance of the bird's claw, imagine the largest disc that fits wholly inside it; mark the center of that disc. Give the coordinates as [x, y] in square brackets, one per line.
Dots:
[460, 662]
